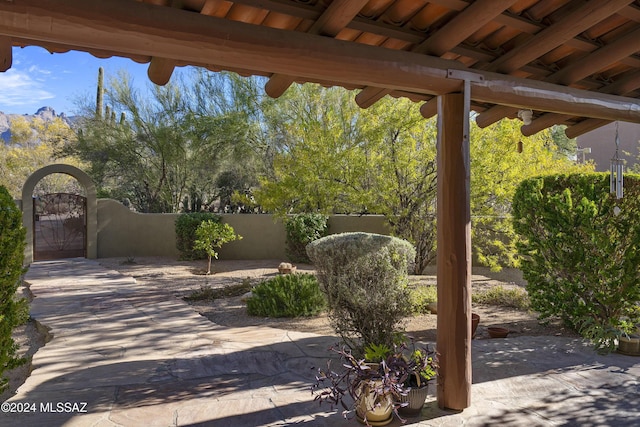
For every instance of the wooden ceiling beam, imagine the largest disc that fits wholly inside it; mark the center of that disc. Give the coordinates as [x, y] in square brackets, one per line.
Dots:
[598, 60]
[133, 28]
[494, 114]
[543, 122]
[330, 23]
[464, 24]
[6, 53]
[160, 70]
[429, 108]
[576, 71]
[584, 127]
[626, 84]
[574, 23]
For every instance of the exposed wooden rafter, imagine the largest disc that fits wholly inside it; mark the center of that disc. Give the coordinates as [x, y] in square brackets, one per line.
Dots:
[566, 29]
[330, 23]
[572, 24]
[6, 54]
[139, 29]
[473, 17]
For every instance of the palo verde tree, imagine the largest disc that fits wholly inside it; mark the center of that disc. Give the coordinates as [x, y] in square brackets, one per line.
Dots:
[170, 142]
[497, 168]
[330, 156]
[34, 144]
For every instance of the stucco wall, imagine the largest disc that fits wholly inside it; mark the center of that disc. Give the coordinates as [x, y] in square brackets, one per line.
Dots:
[123, 233]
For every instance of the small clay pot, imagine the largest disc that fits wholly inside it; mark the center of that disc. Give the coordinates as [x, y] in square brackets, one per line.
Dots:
[475, 320]
[497, 332]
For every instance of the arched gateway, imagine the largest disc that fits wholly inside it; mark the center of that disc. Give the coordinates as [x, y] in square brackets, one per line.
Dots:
[87, 220]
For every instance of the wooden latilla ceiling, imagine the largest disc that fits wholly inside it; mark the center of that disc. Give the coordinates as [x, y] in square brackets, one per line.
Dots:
[572, 62]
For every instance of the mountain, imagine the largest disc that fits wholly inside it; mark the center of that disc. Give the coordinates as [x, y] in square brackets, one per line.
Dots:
[44, 113]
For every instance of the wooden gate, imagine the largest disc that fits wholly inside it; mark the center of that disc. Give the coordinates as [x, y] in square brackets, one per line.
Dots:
[59, 226]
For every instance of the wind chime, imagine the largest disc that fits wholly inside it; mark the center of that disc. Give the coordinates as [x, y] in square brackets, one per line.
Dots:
[617, 169]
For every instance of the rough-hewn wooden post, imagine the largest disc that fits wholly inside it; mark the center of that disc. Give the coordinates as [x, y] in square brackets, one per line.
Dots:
[454, 254]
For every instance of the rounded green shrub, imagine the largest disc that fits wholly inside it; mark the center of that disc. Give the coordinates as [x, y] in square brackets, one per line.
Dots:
[365, 279]
[580, 251]
[186, 226]
[12, 243]
[302, 229]
[289, 295]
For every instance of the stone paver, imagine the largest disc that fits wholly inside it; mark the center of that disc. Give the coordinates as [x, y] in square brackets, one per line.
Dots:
[130, 355]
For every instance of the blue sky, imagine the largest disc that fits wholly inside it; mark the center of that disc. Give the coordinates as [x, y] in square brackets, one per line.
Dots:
[38, 78]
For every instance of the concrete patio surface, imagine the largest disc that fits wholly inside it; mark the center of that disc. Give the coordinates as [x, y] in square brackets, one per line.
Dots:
[124, 354]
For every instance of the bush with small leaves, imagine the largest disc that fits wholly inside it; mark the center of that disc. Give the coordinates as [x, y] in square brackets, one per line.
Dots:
[211, 235]
[12, 309]
[421, 297]
[186, 226]
[301, 230]
[365, 279]
[288, 295]
[580, 251]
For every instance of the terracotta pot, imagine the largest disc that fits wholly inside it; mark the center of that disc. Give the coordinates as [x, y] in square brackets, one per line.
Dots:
[629, 346]
[475, 320]
[415, 398]
[497, 332]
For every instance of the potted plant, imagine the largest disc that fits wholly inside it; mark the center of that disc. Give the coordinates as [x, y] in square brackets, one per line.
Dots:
[383, 383]
[421, 368]
[629, 338]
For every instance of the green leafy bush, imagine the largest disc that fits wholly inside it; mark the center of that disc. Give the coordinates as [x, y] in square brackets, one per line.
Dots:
[580, 254]
[289, 295]
[186, 226]
[12, 243]
[364, 277]
[302, 229]
[211, 235]
[421, 297]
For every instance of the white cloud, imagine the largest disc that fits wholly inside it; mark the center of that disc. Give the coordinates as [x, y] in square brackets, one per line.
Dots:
[18, 88]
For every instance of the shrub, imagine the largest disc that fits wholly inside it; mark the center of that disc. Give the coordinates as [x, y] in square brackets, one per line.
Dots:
[12, 243]
[364, 277]
[211, 235]
[289, 295]
[302, 229]
[421, 297]
[503, 297]
[186, 226]
[580, 254]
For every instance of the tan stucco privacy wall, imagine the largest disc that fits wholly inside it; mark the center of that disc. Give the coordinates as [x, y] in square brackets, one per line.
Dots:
[123, 233]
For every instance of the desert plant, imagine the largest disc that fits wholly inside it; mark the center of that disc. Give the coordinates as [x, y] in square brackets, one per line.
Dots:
[12, 242]
[364, 277]
[503, 297]
[580, 250]
[186, 226]
[211, 235]
[383, 377]
[302, 229]
[289, 295]
[421, 297]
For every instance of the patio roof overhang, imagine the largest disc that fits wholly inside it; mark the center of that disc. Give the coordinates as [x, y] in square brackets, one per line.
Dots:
[571, 62]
